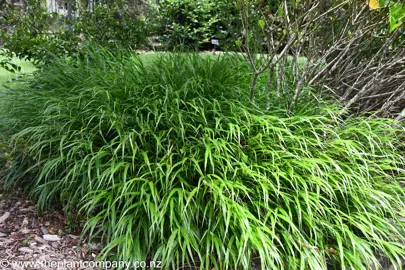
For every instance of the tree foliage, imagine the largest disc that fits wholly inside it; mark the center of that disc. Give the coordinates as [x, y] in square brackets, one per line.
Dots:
[34, 34]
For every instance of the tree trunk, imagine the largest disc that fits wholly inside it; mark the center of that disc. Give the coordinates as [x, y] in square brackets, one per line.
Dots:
[253, 86]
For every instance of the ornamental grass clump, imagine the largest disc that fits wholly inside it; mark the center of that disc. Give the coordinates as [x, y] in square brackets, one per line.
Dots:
[167, 160]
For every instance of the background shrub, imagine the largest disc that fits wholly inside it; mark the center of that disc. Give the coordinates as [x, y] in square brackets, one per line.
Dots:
[195, 22]
[169, 161]
[113, 26]
[36, 35]
[354, 48]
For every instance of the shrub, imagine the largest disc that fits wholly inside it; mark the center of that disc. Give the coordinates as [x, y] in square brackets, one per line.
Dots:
[36, 35]
[355, 50]
[195, 22]
[33, 34]
[112, 26]
[169, 161]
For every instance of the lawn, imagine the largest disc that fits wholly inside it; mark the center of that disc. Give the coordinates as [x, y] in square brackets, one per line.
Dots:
[27, 67]
[6, 76]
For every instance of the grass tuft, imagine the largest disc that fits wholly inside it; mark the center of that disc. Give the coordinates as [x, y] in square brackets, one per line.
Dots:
[168, 160]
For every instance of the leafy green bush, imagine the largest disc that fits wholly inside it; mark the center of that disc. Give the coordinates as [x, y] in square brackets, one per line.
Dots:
[169, 161]
[33, 34]
[112, 26]
[194, 22]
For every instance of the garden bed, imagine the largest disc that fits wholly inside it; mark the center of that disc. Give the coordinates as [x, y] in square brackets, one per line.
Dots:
[25, 236]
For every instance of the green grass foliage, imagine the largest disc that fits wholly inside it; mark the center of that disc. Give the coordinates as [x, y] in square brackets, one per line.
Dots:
[167, 160]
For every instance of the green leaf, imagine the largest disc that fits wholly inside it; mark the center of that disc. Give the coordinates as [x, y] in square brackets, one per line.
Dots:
[280, 11]
[396, 16]
[262, 24]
